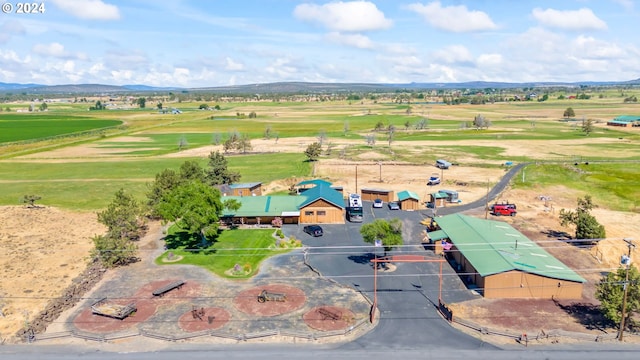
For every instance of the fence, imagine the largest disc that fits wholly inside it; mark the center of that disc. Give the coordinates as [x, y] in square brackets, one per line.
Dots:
[311, 336]
[552, 336]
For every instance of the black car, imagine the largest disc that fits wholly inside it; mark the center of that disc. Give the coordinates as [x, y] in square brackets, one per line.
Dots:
[313, 230]
[394, 205]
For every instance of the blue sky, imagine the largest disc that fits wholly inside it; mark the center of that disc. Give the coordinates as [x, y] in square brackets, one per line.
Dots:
[190, 43]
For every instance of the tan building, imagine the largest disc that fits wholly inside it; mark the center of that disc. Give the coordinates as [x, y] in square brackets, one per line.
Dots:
[501, 262]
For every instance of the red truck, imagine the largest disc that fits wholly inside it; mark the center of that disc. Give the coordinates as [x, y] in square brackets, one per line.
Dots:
[503, 209]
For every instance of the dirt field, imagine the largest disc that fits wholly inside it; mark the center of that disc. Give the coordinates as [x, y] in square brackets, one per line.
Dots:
[43, 249]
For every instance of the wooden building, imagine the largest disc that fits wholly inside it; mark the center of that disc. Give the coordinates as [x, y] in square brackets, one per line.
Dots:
[408, 200]
[369, 194]
[320, 204]
[501, 262]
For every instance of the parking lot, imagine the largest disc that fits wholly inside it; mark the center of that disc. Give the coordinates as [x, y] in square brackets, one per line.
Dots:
[407, 296]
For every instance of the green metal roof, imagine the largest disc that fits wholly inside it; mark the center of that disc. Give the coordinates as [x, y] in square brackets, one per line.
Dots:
[407, 194]
[325, 192]
[626, 118]
[244, 185]
[263, 205]
[439, 195]
[494, 247]
[437, 235]
[314, 182]
[276, 205]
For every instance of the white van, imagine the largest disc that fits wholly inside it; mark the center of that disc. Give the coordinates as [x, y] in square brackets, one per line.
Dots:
[442, 164]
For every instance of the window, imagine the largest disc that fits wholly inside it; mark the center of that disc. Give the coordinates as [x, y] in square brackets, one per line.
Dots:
[322, 213]
[308, 213]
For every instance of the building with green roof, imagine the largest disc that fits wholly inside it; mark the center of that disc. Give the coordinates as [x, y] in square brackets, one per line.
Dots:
[625, 121]
[408, 200]
[502, 262]
[320, 204]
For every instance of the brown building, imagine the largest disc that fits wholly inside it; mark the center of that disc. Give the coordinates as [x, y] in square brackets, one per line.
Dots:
[408, 200]
[501, 262]
[369, 194]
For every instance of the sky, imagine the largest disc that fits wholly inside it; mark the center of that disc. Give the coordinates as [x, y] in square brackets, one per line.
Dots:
[200, 43]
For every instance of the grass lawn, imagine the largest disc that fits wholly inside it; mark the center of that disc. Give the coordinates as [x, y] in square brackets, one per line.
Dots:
[612, 185]
[236, 253]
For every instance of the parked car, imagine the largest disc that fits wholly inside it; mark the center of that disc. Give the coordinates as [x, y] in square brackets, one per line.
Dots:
[503, 209]
[377, 203]
[434, 180]
[394, 205]
[313, 230]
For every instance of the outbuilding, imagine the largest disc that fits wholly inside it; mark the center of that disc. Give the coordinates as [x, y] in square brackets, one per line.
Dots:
[369, 194]
[408, 200]
[501, 262]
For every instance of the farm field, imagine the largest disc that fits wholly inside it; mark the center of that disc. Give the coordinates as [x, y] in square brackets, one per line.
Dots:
[78, 175]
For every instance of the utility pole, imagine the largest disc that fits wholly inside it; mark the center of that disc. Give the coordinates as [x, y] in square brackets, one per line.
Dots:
[626, 286]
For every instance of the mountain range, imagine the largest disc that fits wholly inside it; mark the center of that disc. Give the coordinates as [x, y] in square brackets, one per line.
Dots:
[293, 87]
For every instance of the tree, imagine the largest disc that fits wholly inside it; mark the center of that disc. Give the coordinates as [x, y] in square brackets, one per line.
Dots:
[268, 132]
[43, 106]
[379, 126]
[122, 217]
[569, 113]
[217, 172]
[587, 126]
[610, 291]
[407, 125]
[191, 170]
[313, 151]
[194, 207]
[141, 102]
[113, 252]
[322, 137]
[587, 227]
[165, 182]
[203, 107]
[479, 121]
[389, 232]
[244, 144]
[159, 105]
[232, 205]
[30, 200]
[182, 143]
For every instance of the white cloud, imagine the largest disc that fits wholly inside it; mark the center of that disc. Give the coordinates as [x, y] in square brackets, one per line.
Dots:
[589, 47]
[355, 40]
[232, 65]
[350, 16]
[89, 9]
[453, 54]
[582, 19]
[453, 18]
[54, 49]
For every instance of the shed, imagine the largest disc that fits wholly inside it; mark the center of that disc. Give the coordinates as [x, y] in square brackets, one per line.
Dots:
[625, 121]
[437, 199]
[369, 194]
[503, 262]
[408, 200]
[243, 189]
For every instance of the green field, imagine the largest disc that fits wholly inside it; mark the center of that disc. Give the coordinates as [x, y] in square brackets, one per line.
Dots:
[87, 181]
[23, 127]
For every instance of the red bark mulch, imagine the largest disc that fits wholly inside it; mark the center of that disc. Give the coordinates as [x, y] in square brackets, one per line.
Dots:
[87, 321]
[145, 302]
[210, 318]
[247, 301]
[328, 318]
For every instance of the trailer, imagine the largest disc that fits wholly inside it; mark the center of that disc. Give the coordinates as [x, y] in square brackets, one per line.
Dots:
[355, 212]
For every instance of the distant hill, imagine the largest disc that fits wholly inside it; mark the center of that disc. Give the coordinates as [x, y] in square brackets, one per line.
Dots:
[291, 87]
